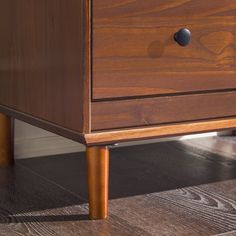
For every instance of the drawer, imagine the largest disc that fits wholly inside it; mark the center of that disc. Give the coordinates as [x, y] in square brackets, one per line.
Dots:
[162, 110]
[135, 54]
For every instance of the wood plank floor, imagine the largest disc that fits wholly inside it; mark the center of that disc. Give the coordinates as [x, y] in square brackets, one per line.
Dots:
[172, 188]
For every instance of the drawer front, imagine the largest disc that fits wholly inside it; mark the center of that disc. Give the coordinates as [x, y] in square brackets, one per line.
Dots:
[135, 54]
[162, 110]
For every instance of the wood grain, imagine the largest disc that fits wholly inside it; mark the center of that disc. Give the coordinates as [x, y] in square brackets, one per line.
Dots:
[49, 126]
[206, 204]
[232, 233]
[98, 181]
[87, 65]
[163, 8]
[154, 206]
[43, 50]
[134, 53]
[114, 136]
[159, 110]
[25, 193]
[215, 212]
[32, 204]
[45, 69]
[168, 130]
[6, 140]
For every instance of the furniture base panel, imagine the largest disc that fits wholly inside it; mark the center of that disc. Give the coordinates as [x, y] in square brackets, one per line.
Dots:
[135, 52]
[105, 137]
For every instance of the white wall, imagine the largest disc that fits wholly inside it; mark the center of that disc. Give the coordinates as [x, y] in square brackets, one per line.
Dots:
[34, 142]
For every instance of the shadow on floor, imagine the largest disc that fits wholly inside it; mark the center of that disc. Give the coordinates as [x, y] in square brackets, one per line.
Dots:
[58, 181]
[45, 218]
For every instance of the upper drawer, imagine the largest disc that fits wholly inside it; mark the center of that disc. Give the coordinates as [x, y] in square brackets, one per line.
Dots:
[135, 54]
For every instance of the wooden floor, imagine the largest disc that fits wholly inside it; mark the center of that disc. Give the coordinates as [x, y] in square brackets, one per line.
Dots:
[170, 188]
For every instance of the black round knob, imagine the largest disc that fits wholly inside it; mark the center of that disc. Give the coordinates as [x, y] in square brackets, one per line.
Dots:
[183, 37]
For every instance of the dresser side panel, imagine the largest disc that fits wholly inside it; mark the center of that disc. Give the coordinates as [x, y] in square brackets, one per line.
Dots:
[42, 53]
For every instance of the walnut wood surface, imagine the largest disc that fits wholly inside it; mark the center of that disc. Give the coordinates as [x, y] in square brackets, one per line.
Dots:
[49, 126]
[122, 135]
[158, 110]
[134, 53]
[42, 55]
[184, 128]
[6, 140]
[45, 66]
[98, 181]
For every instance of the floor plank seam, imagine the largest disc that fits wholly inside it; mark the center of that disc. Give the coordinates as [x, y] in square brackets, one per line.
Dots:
[52, 182]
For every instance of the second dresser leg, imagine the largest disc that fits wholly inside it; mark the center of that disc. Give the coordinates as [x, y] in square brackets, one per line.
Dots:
[6, 140]
[98, 181]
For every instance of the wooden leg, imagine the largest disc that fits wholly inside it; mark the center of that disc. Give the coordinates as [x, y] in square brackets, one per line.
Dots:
[6, 140]
[98, 178]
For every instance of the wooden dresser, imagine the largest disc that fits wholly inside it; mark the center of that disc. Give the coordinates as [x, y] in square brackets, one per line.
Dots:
[107, 71]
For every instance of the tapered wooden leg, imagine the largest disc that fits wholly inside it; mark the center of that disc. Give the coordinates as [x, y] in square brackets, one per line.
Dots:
[98, 178]
[6, 140]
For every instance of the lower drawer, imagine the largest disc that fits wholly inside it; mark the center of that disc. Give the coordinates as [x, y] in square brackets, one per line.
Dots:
[160, 110]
